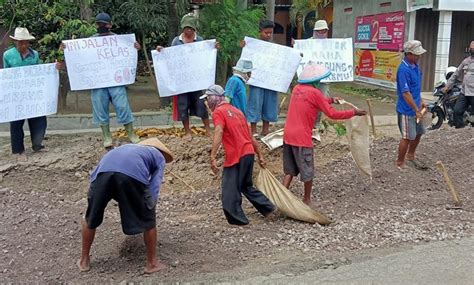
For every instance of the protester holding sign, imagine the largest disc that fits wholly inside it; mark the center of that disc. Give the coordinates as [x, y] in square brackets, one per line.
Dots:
[189, 104]
[235, 88]
[117, 95]
[262, 104]
[22, 55]
[306, 100]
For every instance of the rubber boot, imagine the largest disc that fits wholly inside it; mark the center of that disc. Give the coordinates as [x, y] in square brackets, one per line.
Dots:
[131, 134]
[107, 136]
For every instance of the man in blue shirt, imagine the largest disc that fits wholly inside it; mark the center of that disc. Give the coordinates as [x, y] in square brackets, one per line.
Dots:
[235, 88]
[410, 105]
[23, 55]
[130, 174]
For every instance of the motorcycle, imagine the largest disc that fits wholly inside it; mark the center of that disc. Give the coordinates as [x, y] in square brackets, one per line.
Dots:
[443, 107]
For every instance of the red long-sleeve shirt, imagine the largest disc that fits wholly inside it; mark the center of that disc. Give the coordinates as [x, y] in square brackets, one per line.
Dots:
[305, 103]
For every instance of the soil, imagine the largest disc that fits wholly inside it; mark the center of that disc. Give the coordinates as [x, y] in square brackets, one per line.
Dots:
[44, 199]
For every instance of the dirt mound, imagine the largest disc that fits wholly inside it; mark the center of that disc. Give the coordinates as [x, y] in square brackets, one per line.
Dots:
[43, 200]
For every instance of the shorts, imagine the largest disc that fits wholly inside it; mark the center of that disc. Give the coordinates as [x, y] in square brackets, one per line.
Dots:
[262, 105]
[189, 104]
[298, 160]
[136, 205]
[409, 128]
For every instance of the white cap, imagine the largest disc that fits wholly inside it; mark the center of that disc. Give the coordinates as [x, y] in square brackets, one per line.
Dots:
[320, 25]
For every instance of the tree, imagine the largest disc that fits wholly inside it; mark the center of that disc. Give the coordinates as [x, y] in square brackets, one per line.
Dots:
[228, 24]
[299, 9]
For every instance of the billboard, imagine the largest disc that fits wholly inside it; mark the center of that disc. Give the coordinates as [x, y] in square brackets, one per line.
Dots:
[377, 67]
[382, 31]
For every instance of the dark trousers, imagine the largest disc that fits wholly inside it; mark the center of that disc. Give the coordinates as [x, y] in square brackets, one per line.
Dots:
[461, 105]
[37, 129]
[237, 180]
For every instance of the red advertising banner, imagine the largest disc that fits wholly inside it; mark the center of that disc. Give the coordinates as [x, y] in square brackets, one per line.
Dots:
[382, 31]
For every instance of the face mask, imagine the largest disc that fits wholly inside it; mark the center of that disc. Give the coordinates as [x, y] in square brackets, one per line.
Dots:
[320, 36]
[103, 30]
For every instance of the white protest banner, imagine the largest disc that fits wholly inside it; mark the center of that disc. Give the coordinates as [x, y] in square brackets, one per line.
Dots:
[335, 54]
[185, 68]
[28, 92]
[275, 65]
[99, 62]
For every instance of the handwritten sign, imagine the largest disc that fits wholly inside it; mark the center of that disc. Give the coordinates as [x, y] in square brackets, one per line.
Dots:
[335, 54]
[185, 68]
[28, 92]
[99, 62]
[275, 65]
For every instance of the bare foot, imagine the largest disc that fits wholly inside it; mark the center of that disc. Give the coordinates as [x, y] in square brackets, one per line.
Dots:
[187, 137]
[152, 268]
[84, 266]
[21, 157]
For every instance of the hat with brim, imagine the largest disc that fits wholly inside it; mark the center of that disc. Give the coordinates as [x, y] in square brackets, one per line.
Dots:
[320, 25]
[22, 34]
[244, 65]
[189, 21]
[155, 142]
[414, 47]
[313, 72]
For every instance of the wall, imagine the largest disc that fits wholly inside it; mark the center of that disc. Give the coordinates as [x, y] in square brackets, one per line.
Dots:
[343, 25]
[283, 19]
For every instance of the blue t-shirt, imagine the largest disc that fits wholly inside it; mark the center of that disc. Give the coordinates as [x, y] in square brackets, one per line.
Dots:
[143, 163]
[235, 90]
[408, 79]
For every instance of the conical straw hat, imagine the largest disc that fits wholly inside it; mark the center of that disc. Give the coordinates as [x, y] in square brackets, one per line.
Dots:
[160, 146]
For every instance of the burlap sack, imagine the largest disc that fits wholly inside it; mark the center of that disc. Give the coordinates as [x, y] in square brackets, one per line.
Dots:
[285, 201]
[359, 142]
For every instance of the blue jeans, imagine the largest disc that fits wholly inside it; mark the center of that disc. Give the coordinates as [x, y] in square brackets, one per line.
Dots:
[37, 130]
[262, 105]
[100, 105]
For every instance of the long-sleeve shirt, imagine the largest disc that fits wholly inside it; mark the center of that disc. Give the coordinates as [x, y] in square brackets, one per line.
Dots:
[305, 103]
[143, 163]
[464, 74]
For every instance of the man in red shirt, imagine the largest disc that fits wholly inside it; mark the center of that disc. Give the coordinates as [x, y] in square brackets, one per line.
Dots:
[232, 131]
[305, 103]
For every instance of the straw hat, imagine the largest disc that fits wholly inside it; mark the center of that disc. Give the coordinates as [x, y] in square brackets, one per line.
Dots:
[313, 72]
[320, 25]
[22, 34]
[160, 146]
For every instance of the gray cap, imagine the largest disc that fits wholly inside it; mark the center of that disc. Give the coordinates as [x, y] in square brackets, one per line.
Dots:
[414, 47]
[213, 90]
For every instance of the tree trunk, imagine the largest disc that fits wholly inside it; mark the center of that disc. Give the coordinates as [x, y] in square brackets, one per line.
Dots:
[86, 11]
[150, 70]
[270, 8]
[172, 20]
[64, 88]
[242, 4]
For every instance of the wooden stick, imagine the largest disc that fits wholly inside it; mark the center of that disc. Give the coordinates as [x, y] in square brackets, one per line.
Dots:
[181, 179]
[371, 115]
[449, 183]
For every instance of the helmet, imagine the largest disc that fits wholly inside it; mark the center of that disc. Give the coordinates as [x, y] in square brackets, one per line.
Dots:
[449, 71]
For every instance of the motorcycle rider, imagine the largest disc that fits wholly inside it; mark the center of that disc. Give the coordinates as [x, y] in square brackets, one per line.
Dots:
[464, 74]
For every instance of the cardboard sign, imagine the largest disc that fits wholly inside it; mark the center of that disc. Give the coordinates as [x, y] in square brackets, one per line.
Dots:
[335, 54]
[28, 92]
[275, 65]
[185, 68]
[99, 62]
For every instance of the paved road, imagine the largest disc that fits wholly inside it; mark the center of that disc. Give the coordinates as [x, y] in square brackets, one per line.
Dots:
[448, 262]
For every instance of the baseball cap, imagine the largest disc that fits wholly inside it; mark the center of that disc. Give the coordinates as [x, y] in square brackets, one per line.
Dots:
[414, 47]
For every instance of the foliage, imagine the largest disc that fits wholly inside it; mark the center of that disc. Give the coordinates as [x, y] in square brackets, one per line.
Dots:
[299, 9]
[50, 21]
[229, 24]
[340, 128]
